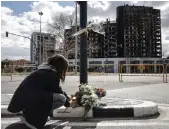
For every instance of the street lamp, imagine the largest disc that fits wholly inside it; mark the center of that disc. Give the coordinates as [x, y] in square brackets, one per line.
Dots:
[40, 14]
[76, 40]
[83, 43]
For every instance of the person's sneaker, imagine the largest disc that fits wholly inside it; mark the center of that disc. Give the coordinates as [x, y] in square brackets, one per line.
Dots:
[26, 123]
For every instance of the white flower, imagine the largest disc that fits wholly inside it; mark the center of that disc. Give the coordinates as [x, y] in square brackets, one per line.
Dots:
[85, 90]
[88, 87]
[86, 96]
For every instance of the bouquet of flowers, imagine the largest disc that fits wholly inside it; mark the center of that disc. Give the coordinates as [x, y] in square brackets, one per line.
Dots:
[87, 97]
[100, 92]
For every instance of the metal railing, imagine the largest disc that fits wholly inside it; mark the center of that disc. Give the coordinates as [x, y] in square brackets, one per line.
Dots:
[142, 70]
[167, 72]
[157, 70]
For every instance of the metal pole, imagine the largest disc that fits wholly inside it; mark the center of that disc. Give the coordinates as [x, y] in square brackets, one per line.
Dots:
[107, 48]
[11, 71]
[83, 43]
[40, 43]
[76, 40]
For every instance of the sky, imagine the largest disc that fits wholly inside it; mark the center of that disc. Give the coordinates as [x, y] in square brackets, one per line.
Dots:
[21, 17]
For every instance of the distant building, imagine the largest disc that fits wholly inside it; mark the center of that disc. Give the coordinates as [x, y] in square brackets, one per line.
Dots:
[47, 43]
[20, 62]
[138, 32]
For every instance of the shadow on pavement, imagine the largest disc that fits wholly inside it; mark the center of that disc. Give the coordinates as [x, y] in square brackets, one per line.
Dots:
[17, 126]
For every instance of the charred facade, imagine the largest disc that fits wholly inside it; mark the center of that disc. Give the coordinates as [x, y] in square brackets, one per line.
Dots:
[69, 45]
[138, 32]
[110, 39]
[95, 44]
[135, 33]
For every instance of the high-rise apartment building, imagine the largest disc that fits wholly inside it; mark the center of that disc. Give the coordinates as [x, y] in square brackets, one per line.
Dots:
[135, 33]
[43, 46]
[138, 31]
[110, 39]
[69, 44]
[95, 43]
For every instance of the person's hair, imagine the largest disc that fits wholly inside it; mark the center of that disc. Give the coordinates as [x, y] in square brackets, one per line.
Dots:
[60, 64]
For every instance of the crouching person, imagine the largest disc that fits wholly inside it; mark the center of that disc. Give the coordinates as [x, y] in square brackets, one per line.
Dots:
[40, 93]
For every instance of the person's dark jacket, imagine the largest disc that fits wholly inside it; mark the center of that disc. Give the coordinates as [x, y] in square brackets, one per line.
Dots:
[34, 96]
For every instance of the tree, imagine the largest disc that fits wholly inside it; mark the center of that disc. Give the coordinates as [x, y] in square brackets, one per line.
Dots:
[4, 63]
[58, 25]
[19, 69]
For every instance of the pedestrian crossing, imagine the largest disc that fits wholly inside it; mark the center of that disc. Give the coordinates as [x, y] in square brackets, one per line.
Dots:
[104, 124]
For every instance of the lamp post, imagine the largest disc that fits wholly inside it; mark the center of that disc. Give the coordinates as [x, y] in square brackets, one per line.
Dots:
[40, 43]
[76, 40]
[83, 43]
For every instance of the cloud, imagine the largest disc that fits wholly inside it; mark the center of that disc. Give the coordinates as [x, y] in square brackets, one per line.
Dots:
[15, 53]
[167, 38]
[6, 10]
[13, 47]
[28, 22]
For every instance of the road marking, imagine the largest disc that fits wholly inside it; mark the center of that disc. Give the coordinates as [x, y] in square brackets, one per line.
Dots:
[4, 106]
[7, 94]
[10, 121]
[101, 124]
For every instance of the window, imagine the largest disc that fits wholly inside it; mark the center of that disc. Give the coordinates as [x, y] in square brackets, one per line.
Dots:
[45, 37]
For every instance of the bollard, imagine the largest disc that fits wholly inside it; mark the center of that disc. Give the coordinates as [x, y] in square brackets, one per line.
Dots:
[11, 71]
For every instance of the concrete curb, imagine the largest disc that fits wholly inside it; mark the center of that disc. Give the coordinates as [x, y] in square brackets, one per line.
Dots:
[144, 109]
[147, 108]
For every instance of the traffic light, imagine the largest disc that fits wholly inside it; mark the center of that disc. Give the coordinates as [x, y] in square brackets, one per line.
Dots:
[6, 34]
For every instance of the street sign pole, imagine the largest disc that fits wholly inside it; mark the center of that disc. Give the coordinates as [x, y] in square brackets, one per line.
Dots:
[83, 43]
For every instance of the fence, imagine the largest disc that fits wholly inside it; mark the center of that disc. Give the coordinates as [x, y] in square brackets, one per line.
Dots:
[167, 72]
[158, 70]
[17, 69]
[11, 70]
[72, 70]
[142, 70]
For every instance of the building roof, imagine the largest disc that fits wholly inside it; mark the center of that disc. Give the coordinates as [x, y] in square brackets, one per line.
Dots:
[42, 33]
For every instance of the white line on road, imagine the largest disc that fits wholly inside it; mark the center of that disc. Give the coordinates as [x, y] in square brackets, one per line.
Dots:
[7, 94]
[4, 106]
[103, 123]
